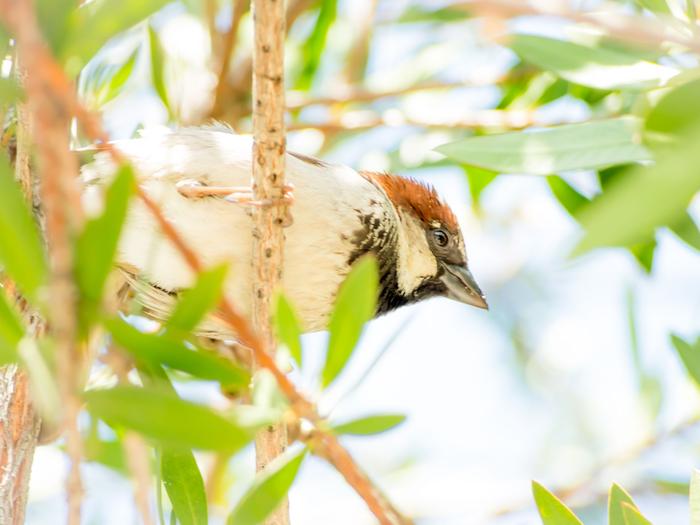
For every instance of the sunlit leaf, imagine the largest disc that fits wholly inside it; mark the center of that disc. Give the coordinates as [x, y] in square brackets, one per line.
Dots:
[644, 199]
[287, 327]
[21, 250]
[96, 246]
[197, 301]
[45, 393]
[616, 498]
[164, 417]
[268, 490]
[53, 17]
[644, 253]
[687, 230]
[417, 13]
[10, 91]
[694, 499]
[633, 516]
[479, 179]
[690, 355]
[157, 54]
[589, 145]
[312, 49]
[103, 82]
[655, 6]
[355, 304]
[11, 329]
[567, 196]
[184, 485]
[107, 453]
[674, 114]
[551, 509]
[170, 351]
[591, 66]
[367, 426]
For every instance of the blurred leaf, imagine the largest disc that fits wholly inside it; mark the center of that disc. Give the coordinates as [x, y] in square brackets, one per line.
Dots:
[551, 509]
[53, 17]
[644, 252]
[107, 453]
[671, 486]
[199, 300]
[588, 145]
[21, 249]
[10, 90]
[591, 66]
[11, 330]
[690, 355]
[616, 498]
[158, 67]
[45, 393]
[417, 13]
[479, 179]
[644, 199]
[96, 246]
[266, 392]
[184, 485]
[370, 425]
[312, 49]
[268, 490]
[96, 22]
[655, 6]
[163, 416]
[694, 499]
[567, 196]
[103, 82]
[674, 114]
[633, 516]
[687, 230]
[287, 327]
[355, 304]
[172, 352]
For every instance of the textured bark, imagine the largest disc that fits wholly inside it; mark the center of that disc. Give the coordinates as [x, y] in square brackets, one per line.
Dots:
[268, 181]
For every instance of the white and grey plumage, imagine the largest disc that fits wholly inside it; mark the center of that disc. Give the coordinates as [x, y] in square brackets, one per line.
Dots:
[339, 214]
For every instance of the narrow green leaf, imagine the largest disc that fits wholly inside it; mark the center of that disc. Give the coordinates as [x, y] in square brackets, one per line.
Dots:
[96, 246]
[694, 499]
[567, 196]
[673, 115]
[11, 330]
[551, 509]
[655, 6]
[589, 145]
[268, 490]
[21, 249]
[170, 351]
[646, 198]
[104, 82]
[158, 67]
[356, 304]
[415, 13]
[690, 355]
[199, 300]
[633, 516]
[644, 252]
[184, 485]
[687, 230]
[479, 179]
[616, 498]
[312, 50]
[53, 17]
[370, 425]
[166, 418]
[107, 453]
[43, 382]
[287, 327]
[595, 67]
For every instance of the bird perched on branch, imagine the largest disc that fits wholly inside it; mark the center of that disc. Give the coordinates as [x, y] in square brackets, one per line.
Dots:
[339, 215]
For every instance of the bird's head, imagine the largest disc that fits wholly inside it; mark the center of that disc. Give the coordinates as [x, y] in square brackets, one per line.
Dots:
[431, 259]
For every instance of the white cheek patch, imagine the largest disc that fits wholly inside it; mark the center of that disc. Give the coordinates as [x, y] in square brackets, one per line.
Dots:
[416, 260]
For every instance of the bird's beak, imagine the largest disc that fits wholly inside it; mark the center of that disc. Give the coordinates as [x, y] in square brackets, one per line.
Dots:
[461, 285]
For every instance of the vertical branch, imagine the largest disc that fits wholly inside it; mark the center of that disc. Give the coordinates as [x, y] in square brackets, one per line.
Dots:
[268, 181]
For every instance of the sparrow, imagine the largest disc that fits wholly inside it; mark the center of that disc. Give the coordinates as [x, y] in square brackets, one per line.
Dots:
[339, 215]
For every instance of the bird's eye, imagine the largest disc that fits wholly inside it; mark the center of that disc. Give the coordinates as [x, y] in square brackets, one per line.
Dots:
[441, 238]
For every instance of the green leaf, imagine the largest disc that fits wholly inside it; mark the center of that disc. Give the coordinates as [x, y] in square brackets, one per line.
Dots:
[11, 330]
[107, 453]
[416, 13]
[172, 352]
[595, 67]
[53, 17]
[10, 90]
[551, 509]
[644, 252]
[103, 82]
[479, 179]
[268, 490]
[687, 230]
[158, 67]
[633, 206]
[184, 485]
[96, 246]
[567, 196]
[655, 6]
[312, 50]
[616, 498]
[674, 114]
[633, 516]
[356, 304]
[164, 417]
[287, 327]
[91, 26]
[588, 145]
[690, 355]
[199, 300]
[694, 499]
[21, 249]
[370, 425]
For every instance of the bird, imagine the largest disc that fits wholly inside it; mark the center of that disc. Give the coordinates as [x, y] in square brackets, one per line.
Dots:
[339, 215]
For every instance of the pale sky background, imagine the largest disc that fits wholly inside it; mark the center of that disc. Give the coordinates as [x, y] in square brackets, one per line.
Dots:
[481, 422]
